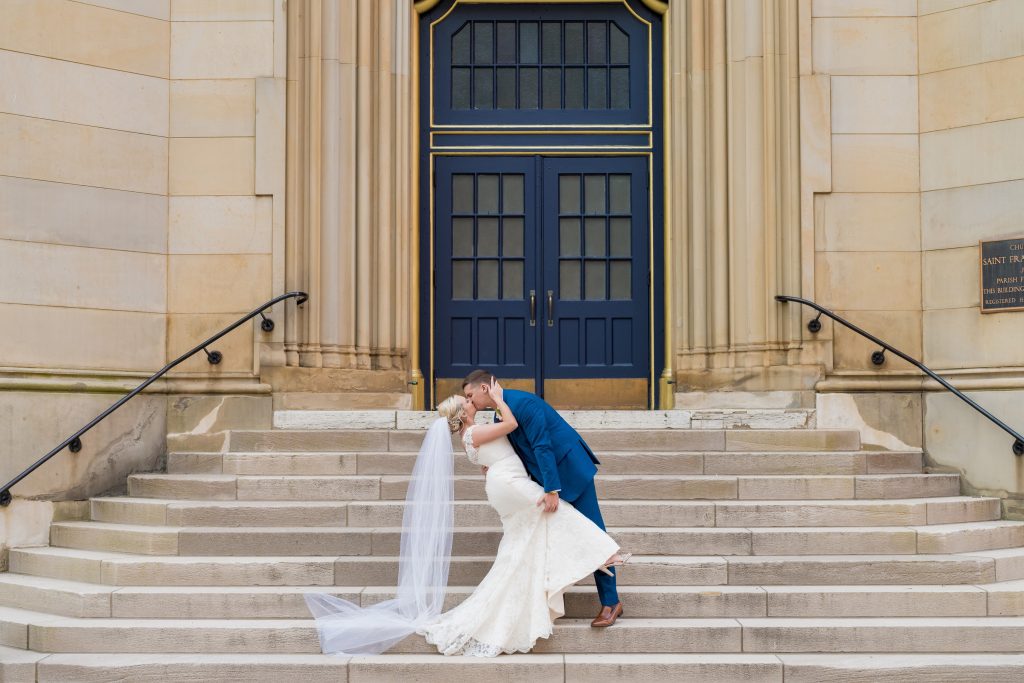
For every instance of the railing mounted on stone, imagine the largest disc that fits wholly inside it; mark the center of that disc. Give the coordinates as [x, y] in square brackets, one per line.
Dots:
[878, 358]
[74, 442]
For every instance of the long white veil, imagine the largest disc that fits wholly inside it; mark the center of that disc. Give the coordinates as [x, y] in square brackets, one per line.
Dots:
[426, 548]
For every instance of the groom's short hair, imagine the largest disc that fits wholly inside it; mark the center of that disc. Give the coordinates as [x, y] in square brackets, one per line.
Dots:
[476, 378]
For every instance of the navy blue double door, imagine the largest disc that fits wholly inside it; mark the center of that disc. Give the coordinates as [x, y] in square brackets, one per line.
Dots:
[542, 274]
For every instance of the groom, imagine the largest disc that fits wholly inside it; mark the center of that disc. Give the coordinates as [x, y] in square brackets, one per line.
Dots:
[558, 459]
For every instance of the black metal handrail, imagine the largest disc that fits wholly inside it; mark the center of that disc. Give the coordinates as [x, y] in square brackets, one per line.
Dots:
[878, 357]
[74, 442]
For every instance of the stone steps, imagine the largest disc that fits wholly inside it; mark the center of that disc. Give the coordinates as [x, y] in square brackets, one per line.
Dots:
[111, 568]
[17, 665]
[903, 667]
[810, 463]
[50, 633]
[600, 440]
[353, 487]
[612, 462]
[617, 513]
[776, 551]
[675, 570]
[80, 599]
[359, 541]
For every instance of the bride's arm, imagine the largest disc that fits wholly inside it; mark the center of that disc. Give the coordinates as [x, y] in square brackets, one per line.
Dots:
[485, 433]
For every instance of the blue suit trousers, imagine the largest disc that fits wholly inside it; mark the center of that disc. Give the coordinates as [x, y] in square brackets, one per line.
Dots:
[587, 505]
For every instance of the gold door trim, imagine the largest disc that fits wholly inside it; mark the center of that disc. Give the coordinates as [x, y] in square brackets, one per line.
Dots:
[647, 134]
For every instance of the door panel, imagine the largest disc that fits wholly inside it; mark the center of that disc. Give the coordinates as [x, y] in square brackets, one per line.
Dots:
[597, 394]
[449, 386]
[484, 241]
[541, 276]
[595, 253]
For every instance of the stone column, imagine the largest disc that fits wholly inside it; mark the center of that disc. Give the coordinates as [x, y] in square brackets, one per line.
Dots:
[735, 216]
[348, 169]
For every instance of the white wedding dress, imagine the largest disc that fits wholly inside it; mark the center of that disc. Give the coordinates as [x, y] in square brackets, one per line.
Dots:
[541, 555]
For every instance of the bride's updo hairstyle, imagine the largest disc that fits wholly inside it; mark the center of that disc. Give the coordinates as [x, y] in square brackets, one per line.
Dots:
[451, 409]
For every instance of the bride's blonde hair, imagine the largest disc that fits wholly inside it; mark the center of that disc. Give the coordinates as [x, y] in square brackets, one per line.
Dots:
[452, 410]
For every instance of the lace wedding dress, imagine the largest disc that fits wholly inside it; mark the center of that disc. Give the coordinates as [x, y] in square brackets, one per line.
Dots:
[541, 554]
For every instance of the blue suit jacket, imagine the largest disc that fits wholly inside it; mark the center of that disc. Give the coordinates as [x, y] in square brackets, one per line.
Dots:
[554, 454]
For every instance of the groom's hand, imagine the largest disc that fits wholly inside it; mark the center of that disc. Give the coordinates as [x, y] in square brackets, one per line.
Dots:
[483, 470]
[549, 501]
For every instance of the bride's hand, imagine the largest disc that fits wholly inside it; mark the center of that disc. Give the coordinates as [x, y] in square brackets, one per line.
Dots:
[497, 391]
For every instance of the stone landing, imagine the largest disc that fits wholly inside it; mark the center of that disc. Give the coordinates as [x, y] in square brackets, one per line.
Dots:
[742, 418]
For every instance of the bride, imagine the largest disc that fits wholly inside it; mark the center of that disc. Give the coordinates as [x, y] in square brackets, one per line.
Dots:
[541, 554]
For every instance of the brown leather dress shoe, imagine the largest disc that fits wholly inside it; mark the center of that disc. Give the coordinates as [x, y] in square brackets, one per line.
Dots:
[607, 616]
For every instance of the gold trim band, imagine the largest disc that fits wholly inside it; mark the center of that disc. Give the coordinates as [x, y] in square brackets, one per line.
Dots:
[416, 380]
[656, 6]
[424, 6]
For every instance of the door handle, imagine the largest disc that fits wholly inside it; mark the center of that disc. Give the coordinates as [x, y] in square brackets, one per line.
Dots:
[533, 308]
[551, 308]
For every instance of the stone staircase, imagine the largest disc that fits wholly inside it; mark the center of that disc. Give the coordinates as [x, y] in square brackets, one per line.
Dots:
[761, 555]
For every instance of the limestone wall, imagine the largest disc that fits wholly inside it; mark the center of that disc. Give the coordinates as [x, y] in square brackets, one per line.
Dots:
[141, 203]
[861, 208]
[972, 188]
[83, 235]
[867, 227]
[223, 172]
[83, 184]
[912, 127]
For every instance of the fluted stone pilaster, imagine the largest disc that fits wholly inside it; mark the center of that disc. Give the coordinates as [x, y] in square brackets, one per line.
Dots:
[734, 219]
[349, 113]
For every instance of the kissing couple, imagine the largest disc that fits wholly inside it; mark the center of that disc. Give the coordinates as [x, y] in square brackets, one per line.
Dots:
[539, 477]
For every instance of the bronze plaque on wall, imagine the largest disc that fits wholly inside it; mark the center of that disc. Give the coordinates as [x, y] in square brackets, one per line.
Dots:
[1002, 276]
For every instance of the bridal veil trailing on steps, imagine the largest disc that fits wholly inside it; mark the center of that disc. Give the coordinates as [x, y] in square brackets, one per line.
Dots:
[539, 557]
[426, 548]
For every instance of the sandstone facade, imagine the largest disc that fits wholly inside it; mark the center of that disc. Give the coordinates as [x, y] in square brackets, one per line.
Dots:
[170, 164]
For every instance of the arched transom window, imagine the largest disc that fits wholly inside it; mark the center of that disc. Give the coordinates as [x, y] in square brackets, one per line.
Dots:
[541, 65]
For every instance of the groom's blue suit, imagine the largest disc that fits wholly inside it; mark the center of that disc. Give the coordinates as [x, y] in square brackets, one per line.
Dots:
[558, 459]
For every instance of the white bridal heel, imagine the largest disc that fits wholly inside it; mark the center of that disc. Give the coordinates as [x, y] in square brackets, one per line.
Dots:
[623, 559]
